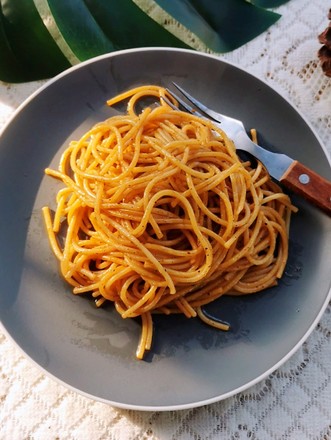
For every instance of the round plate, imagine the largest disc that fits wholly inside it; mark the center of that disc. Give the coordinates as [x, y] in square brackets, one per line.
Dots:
[93, 350]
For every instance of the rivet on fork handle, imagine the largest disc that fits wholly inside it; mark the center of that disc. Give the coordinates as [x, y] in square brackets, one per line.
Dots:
[309, 184]
[304, 179]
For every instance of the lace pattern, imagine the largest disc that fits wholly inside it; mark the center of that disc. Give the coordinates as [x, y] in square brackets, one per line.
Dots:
[292, 403]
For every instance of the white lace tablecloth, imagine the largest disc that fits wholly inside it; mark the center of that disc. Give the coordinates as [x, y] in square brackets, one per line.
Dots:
[292, 403]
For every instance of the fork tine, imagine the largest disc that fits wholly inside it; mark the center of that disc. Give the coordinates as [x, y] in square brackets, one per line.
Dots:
[170, 104]
[186, 107]
[211, 113]
[184, 104]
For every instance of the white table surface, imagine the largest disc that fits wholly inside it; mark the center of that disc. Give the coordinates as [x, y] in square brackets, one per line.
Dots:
[292, 403]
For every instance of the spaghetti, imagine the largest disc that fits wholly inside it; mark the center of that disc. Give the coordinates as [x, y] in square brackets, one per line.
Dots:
[158, 215]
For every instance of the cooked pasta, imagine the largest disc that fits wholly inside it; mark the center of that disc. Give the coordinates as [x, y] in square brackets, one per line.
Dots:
[157, 214]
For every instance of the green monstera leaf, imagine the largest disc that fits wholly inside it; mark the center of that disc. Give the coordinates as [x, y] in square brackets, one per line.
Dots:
[221, 25]
[268, 3]
[40, 38]
[27, 50]
[128, 26]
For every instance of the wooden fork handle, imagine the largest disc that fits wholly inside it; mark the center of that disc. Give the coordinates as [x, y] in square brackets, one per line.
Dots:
[309, 185]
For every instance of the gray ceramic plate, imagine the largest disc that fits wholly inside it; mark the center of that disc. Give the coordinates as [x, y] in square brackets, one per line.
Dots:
[93, 350]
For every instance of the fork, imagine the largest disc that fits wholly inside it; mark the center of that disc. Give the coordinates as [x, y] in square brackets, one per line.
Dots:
[290, 172]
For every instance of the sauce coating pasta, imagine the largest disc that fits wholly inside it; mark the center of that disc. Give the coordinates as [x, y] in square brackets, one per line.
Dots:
[159, 215]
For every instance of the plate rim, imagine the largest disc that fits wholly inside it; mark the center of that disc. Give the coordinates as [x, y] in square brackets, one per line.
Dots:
[304, 337]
